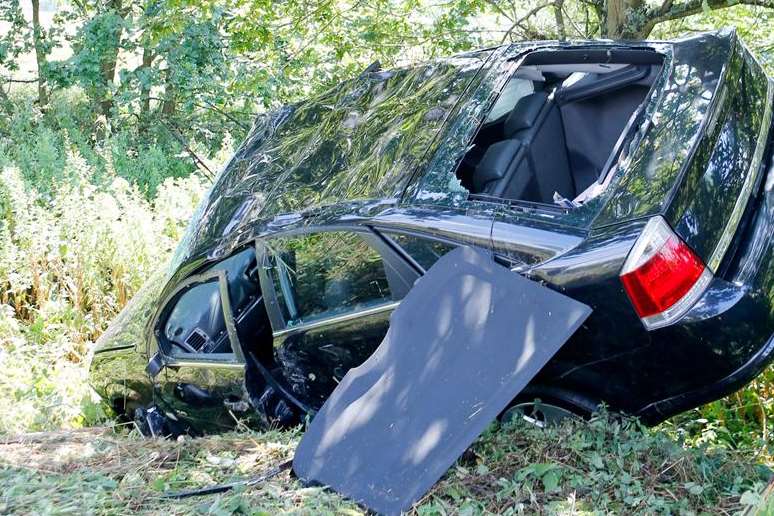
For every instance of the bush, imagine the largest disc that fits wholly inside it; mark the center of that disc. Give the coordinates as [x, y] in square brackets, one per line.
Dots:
[69, 261]
[39, 145]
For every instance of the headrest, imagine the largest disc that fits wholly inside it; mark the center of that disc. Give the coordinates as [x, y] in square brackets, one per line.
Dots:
[601, 84]
[525, 113]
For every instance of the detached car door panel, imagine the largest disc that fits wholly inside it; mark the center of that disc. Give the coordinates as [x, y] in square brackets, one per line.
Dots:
[466, 340]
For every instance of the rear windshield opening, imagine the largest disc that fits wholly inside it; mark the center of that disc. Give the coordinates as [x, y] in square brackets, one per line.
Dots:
[558, 124]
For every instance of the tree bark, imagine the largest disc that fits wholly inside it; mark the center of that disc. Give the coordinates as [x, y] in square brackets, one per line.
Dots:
[110, 59]
[562, 33]
[622, 19]
[633, 19]
[145, 89]
[169, 106]
[5, 101]
[668, 11]
[40, 54]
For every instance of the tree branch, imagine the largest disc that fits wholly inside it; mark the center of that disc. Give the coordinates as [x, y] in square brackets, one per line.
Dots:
[200, 164]
[19, 81]
[499, 9]
[667, 11]
[575, 25]
[521, 20]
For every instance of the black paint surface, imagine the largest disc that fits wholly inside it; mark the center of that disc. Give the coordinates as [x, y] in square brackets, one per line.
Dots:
[464, 342]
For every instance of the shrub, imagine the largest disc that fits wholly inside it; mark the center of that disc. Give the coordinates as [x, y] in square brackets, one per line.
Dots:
[39, 144]
[69, 261]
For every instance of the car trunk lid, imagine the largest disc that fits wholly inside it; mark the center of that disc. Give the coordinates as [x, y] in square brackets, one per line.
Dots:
[699, 159]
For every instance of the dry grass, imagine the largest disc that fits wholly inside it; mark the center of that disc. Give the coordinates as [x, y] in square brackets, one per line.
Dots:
[604, 466]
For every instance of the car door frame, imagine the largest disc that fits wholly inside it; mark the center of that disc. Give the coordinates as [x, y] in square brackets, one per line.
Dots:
[372, 238]
[163, 362]
[233, 360]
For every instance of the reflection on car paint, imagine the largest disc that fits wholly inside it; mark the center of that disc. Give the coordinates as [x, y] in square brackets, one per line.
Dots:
[378, 156]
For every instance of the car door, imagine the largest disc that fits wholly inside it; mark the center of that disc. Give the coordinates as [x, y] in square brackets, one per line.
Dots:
[199, 366]
[329, 295]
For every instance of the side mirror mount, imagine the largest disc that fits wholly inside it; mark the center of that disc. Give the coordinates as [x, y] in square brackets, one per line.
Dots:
[155, 365]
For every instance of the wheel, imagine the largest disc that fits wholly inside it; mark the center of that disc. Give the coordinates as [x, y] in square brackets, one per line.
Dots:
[543, 412]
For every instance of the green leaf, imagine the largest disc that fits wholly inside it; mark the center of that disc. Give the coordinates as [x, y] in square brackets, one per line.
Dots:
[551, 480]
[542, 469]
[159, 484]
[694, 488]
[595, 459]
[750, 498]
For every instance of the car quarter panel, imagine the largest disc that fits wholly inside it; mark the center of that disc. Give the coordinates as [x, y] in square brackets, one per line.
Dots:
[719, 346]
[734, 321]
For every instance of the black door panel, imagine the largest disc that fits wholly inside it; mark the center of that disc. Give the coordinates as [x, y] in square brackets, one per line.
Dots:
[315, 360]
[329, 295]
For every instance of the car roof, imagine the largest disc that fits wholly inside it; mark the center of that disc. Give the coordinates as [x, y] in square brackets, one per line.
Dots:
[362, 139]
[366, 142]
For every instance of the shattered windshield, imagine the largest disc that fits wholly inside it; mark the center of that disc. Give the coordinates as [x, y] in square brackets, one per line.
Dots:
[360, 140]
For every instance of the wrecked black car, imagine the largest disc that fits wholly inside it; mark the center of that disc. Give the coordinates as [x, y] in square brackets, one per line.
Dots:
[635, 178]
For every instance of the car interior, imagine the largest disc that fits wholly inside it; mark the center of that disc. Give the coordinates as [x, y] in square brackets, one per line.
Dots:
[196, 321]
[558, 123]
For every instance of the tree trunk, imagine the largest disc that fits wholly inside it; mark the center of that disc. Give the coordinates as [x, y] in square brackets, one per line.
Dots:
[5, 101]
[40, 54]
[110, 59]
[621, 20]
[145, 90]
[169, 106]
[559, 18]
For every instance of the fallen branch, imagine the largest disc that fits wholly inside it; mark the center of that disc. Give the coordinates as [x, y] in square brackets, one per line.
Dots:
[222, 488]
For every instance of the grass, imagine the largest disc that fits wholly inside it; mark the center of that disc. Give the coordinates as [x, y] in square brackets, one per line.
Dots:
[603, 466]
[78, 237]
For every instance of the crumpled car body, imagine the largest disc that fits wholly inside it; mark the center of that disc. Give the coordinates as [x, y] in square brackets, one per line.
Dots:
[634, 177]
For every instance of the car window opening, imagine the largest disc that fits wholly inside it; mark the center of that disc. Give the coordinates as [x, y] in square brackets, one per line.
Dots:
[195, 321]
[193, 327]
[559, 121]
[326, 275]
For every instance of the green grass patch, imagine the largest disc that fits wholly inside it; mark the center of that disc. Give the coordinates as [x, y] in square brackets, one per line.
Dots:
[607, 465]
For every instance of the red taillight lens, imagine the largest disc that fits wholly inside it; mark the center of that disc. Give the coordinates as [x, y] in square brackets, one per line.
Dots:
[662, 276]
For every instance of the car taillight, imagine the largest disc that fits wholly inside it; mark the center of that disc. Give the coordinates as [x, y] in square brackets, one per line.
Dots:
[662, 275]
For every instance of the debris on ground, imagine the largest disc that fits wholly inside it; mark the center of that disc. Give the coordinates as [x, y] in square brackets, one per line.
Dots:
[605, 465]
